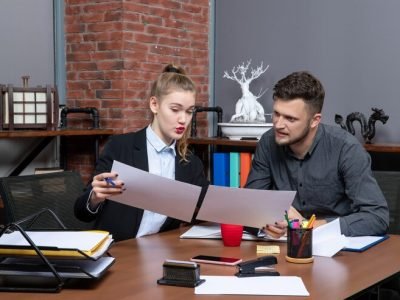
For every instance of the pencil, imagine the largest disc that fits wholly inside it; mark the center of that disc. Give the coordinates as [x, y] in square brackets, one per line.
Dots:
[311, 221]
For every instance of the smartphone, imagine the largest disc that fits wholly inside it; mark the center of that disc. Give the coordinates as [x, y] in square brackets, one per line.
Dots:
[230, 261]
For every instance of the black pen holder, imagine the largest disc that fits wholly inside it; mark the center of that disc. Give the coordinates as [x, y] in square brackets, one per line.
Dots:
[299, 245]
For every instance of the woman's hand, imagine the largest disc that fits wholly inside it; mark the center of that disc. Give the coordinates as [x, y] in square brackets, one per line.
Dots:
[103, 188]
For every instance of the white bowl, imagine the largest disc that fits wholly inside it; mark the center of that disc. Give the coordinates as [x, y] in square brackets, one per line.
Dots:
[239, 131]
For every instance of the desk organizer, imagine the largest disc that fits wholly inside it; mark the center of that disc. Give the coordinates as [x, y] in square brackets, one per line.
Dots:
[42, 271]
[28, 108]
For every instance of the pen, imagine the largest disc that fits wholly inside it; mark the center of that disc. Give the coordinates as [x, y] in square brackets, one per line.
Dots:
[287, 219]
[109, 181]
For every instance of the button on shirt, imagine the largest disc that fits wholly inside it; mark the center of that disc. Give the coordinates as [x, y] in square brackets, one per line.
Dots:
[333, 180]
[161, 158]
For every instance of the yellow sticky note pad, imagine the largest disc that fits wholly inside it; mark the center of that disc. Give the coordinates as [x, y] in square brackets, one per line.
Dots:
[273, 249]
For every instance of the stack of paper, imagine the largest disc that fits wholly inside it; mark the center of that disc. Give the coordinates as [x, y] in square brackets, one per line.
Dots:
[57, 243]
[72, 254]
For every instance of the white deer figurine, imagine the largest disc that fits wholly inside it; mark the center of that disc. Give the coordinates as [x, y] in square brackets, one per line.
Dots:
[248, 109]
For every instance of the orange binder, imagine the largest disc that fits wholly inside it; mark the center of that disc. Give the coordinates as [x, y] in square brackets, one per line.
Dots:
[245, 165]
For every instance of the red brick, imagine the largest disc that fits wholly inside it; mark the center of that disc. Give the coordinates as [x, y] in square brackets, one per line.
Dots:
[115, 49]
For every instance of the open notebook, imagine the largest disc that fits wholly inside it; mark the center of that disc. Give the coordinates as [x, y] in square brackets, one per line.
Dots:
[213, 231]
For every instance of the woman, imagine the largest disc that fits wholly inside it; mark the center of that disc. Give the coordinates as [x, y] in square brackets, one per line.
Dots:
[161, 148]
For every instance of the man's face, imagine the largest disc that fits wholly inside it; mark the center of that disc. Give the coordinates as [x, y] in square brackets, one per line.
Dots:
[292, 121]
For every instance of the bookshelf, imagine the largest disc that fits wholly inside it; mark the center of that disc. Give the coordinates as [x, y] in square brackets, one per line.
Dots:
[385, 157]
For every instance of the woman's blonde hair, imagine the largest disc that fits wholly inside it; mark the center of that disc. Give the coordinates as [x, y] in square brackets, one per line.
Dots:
[171, 79]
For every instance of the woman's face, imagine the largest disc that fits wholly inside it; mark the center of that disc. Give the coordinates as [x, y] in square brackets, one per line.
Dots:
[172, 114]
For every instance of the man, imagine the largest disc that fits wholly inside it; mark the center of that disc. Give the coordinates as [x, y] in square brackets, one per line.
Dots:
[327, 166]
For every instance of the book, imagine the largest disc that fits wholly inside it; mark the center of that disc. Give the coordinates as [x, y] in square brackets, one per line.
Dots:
[234, 169]
[221, 169]
[245, 165]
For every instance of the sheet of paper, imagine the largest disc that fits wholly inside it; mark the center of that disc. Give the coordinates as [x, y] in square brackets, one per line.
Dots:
[155, 193]
[213, 231]
[328, 239]
[266, 285]
[248, 207]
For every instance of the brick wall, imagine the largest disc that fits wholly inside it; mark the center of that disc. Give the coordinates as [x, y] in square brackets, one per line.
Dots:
[116, 48]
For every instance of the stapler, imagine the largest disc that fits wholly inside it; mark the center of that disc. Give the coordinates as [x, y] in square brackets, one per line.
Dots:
[256, 267]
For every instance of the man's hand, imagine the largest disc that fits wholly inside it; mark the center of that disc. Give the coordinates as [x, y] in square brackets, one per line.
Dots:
[278, 229]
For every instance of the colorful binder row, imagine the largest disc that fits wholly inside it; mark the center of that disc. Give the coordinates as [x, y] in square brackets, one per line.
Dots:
[231, 169]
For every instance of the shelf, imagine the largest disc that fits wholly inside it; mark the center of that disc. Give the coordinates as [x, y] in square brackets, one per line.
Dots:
[53, 133]
[222, 142]
[382, 148]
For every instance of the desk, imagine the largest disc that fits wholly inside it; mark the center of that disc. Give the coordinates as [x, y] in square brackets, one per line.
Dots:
[47, 136]
[139, 264]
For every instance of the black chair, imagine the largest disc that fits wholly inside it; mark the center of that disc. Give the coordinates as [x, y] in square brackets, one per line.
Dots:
[26, 195]
[389, 182]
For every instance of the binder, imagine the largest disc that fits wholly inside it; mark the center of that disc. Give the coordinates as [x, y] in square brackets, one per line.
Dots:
[234, 169]
[22, 258]
[221, 169]
[245, 165]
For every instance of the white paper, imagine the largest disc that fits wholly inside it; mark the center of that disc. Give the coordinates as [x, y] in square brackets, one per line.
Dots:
[82, 240]
[248, 207]
[265, 285]
[213, 231]
[328, 239]
[155, 193]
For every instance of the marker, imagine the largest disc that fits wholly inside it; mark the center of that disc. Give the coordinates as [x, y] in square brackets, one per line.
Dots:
[287, 219]
[109, 181]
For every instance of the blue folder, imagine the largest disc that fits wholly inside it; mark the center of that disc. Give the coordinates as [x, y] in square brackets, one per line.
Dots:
[365, 246]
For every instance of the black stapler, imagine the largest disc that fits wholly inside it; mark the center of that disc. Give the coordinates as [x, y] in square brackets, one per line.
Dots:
[256, 267]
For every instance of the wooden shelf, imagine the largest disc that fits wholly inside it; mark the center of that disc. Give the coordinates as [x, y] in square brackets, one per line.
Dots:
[54, 133]
[222, 142]
[383, 148]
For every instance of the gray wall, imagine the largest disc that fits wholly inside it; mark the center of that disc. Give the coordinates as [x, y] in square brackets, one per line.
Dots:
[26, 47]
[353, 47]
[26, 38]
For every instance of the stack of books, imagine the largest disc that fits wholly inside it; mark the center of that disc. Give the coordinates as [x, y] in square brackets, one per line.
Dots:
[231, 169]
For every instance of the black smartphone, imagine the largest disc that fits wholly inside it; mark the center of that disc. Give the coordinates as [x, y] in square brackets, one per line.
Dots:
[219, 260]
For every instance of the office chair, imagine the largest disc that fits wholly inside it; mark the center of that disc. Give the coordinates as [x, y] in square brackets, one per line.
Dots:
[389, 182]
[26, 195]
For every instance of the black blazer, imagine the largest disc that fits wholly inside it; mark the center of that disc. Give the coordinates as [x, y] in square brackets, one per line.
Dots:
[120, 220]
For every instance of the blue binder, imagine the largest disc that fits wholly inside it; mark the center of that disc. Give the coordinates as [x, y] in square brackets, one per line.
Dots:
[221, 169]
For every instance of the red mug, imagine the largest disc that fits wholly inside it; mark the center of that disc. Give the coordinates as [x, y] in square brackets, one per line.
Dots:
[231, 234]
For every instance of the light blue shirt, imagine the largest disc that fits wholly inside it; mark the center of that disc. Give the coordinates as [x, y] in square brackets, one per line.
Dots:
[161, 158]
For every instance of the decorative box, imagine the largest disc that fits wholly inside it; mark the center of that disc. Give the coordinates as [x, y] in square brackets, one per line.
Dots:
[28, 108]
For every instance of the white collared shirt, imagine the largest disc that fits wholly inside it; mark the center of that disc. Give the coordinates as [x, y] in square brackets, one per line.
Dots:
[161, 159]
